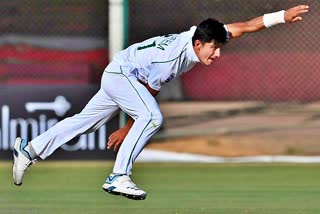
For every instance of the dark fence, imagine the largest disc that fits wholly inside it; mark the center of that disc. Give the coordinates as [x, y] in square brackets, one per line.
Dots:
[279, 64]
[61, 47]
[59, 42]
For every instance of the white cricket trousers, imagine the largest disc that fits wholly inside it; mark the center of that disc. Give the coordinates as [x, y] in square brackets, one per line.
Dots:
[117, 91]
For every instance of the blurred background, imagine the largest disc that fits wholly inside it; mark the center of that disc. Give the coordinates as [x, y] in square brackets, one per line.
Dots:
[260, 98]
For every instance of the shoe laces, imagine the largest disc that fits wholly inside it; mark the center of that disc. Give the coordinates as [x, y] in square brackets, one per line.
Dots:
[130, 184]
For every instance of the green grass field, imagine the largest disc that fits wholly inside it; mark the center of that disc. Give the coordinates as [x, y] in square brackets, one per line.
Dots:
[75, 188]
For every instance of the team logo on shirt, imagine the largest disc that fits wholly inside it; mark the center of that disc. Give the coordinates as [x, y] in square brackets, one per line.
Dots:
[168, 39]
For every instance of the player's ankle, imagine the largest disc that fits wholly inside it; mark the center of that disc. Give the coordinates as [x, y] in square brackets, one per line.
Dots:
[33, 153]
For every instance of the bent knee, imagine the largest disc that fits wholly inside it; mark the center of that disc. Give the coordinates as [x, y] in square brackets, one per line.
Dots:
[157, 119]
[154, 118]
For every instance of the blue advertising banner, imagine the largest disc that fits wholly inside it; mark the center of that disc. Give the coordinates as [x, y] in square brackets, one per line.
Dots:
[27, 111]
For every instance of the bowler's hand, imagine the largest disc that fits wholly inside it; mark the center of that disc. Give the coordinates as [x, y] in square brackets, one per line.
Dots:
[294, 14]
[116, 138]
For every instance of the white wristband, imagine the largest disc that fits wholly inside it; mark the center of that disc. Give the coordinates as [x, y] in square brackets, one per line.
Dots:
[271, 19]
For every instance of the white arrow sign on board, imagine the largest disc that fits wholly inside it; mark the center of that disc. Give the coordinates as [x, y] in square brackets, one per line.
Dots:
[60, 106]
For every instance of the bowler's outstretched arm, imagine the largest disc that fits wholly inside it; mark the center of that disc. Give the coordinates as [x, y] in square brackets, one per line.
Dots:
[289, 16]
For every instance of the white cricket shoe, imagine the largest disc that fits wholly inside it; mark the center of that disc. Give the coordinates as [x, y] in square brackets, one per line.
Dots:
[21, 160]
[118, 184]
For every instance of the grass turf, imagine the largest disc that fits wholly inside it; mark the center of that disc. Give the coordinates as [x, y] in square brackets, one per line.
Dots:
[75, 188]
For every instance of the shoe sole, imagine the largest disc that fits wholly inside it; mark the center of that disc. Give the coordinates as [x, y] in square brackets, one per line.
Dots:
[133, 197]
[15, 159]
[17, 184]
[14, 153]
[20, 184]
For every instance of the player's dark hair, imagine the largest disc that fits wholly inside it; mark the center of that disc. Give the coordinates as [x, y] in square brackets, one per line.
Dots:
[211, 30]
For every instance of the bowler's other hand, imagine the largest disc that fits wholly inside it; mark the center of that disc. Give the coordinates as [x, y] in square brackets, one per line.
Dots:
[116, 138]
[294, 14]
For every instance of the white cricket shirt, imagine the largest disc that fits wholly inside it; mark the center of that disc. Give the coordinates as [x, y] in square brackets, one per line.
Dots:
[158, 60]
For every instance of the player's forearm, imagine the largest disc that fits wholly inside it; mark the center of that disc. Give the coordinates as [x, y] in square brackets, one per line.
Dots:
[240, 28]
[129, 123]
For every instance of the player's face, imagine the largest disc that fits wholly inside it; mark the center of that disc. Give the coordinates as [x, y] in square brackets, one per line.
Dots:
[207, 52]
